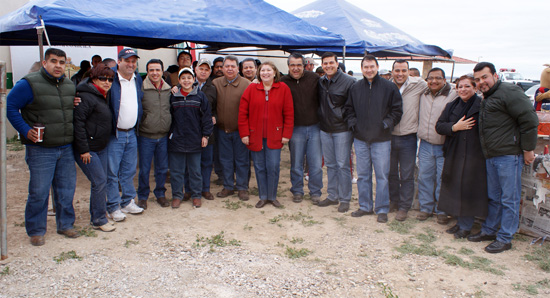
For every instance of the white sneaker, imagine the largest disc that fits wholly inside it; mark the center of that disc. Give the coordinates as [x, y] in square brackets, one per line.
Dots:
[132, 208]
[307, 177]
[354, 180]
[117, 215]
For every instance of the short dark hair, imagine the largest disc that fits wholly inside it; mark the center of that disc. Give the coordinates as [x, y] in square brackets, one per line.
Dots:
[232, 58]
[414, 69]
[219, 59]
[54, 51]
[400, 61]
[108, 60]
[482, 65]
[328, 55]
[157, 61]
[85, 65]
[96, 56]
[101, 70]
[250, 59]
[184, 53]
[436, 69]
[296, 55]
[369, 57]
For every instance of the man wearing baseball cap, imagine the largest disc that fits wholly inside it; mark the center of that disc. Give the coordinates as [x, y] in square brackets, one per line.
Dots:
[310, 64]
[125, 104]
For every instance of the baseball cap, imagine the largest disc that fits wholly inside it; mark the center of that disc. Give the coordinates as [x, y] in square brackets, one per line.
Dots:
[127, 53]
[310, 60]
[186, 69]
[204, 61]
[384, 72]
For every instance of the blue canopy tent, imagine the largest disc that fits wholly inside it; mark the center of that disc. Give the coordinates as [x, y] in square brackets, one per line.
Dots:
[363, 32]
[151, 24]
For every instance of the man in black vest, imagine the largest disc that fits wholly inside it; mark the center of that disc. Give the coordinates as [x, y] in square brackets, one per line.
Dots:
[40, 107]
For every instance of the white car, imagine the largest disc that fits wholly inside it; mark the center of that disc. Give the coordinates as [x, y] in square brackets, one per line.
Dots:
[531, 92]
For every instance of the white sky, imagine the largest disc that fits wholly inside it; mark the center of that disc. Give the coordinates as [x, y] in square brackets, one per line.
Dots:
[508, 33]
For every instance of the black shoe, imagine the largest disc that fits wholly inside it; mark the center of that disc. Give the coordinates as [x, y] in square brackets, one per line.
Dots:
[276, 204]
[142, 204]
[382, 218]
[453, 230]
[297, 198]
[497, 246]
[327, 202]
[461, 234]
[360, 213]
[481, 237]
[343, 208]
[261, 203]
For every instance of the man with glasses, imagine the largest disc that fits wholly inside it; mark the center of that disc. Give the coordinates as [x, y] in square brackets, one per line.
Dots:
[430, 153]
[305, 139]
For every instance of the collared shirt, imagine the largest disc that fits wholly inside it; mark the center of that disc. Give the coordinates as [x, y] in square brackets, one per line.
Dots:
[404, 86]
[231, 82]
[128, 112]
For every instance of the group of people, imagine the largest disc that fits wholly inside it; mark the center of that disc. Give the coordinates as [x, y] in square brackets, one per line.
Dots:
[217, 116]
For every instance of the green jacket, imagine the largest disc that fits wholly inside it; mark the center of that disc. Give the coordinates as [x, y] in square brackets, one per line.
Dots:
[156, 119]
[52, 105]
[507, 121]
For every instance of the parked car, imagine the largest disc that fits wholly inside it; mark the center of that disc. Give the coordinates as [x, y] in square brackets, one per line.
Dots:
[526, 85]
[531, 92]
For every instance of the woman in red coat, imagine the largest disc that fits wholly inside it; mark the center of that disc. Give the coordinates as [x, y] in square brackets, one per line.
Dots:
[266, 120]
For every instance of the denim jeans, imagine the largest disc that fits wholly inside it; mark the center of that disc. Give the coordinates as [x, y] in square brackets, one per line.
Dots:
[267, 163]
[206, 169]
[465, 222]
[148, 149]
[504, 191]
[121, 169]
[373, 155]
[96, 171]
[178, 163]
[50, 167]
[216, 154]
[235, 160]
[306, 141]
[336, 151]
[430, 165]
[402, 164]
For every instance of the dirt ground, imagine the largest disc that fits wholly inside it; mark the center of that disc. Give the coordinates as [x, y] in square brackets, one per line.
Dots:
[228, 248]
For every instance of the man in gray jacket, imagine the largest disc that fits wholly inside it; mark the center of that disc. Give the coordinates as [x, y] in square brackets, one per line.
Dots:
[508, 133]
[153, 134]
[404, 141]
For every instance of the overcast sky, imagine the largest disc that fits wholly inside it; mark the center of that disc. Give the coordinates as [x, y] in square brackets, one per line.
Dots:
[508, 33]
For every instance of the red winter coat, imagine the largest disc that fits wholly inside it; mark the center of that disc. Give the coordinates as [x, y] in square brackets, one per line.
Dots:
[280, 115]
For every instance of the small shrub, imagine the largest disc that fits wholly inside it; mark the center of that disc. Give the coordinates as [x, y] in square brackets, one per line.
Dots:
[66, 256]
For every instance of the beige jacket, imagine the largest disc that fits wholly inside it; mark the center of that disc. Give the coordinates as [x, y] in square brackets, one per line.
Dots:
[431, 108]
[414, 87]
[228, 100]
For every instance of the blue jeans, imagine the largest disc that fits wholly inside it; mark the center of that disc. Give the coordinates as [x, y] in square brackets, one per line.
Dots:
[148, 149]
[504, 191]
[216, 157]
[96, 171]
[336, 151]
[267, 163]
[178, 163]
[121, 169]
[465, 222]
[402, 164]
[206, 169]
[430, 165]
[235, 160]
[377, 155]
[306, 141]
[50, 167]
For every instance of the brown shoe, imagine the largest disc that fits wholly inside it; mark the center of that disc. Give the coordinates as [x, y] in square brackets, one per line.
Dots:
[142, 204]
[197, 203]
[243, 195]
[225, 193]
[261, 203]
[422, 216]
[70, 233]
[276, 204]
[38, 240]
[176, 203]
[442, 219]
[186, 196]
[207, 195]
[401, 215]
[163, 202]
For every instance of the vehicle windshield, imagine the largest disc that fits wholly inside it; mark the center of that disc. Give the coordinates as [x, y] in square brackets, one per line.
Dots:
[513, 76]
[531, 91]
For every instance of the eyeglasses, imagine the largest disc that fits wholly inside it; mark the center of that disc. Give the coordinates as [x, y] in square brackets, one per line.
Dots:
[103, 79]
[435, 78]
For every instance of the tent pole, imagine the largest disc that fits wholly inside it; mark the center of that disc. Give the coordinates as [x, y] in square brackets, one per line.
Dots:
[344, 55]
[40, 31]
[3, 193]
[453, 71]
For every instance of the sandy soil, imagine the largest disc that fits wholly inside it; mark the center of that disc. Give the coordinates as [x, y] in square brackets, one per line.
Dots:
[169, 252]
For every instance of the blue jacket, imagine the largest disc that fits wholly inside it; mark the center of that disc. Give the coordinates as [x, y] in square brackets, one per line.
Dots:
[191, 120]
[114, 103]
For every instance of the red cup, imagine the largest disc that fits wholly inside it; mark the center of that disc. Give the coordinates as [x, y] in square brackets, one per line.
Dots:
[39, 127]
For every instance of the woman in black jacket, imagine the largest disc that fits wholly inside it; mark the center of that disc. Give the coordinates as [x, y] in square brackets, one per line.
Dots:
[92, 129]
[464, 177]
